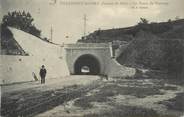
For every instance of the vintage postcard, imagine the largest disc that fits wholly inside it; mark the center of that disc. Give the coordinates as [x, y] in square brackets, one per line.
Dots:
[92, 58]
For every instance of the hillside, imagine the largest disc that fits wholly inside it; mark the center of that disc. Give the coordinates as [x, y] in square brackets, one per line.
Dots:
[156, 46]
[9, 46]
[151, 52]
[168, 30]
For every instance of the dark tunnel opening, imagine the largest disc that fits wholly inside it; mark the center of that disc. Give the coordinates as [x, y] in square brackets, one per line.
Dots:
[87, 65]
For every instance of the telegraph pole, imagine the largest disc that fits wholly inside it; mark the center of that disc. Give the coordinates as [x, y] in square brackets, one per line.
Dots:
[51, 34]
[85, 20]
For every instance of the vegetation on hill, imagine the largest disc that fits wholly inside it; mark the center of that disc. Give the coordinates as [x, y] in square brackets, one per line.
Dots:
[9, 46]
[157, 46]
[168, 30]
[151, 52]
[22, 21]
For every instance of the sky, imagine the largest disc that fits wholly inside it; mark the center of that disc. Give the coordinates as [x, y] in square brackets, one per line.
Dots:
[66, 16]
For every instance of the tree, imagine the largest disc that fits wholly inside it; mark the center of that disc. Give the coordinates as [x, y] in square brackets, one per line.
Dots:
[143, 21]
[169, 20]
[22, 21]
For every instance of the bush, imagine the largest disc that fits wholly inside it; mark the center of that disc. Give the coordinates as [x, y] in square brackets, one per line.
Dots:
[22, 21]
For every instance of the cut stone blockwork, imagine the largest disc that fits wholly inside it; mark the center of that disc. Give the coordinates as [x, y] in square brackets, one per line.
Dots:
[98, 57]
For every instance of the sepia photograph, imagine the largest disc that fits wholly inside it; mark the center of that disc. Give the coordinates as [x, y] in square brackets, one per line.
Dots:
[92, 58]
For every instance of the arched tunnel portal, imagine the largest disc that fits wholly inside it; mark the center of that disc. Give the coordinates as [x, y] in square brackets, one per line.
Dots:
[87, 64]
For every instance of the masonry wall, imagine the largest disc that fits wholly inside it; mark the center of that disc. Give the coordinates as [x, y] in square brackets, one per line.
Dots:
[20, 68]
[73, 54]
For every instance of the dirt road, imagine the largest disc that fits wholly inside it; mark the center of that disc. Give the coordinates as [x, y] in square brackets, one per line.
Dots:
[115, 97]
[29, 99]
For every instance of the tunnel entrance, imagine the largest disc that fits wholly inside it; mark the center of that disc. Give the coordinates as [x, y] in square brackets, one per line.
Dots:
[87, 65]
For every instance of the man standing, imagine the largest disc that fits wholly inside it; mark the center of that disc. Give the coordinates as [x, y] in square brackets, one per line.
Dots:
[43, 72]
